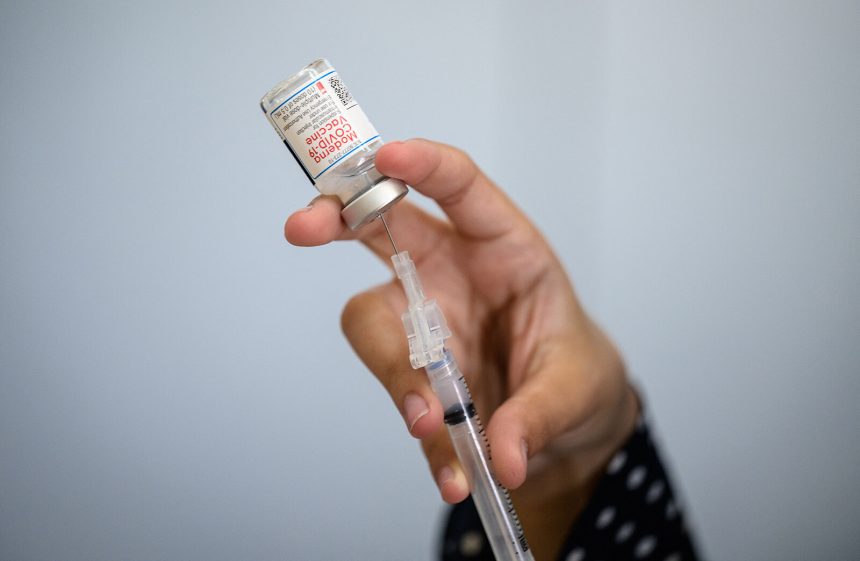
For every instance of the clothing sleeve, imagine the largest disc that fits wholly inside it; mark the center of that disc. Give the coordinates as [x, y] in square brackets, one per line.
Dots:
[633, 513]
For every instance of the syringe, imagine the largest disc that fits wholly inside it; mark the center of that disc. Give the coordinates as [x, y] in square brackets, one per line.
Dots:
[426, 331]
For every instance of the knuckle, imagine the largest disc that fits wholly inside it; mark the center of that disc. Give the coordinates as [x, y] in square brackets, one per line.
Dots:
[360, 320]
[354, 313]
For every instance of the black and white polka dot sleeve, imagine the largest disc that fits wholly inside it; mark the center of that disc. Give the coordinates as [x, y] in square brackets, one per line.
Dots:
[632, 514]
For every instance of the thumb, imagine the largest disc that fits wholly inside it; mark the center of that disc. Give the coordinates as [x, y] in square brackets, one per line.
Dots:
[561, 397]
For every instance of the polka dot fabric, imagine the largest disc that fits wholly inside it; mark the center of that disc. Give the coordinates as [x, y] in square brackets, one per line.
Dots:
[633, 514]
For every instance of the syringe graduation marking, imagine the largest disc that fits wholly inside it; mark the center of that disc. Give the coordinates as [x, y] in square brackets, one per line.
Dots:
[455, 415]
[520, 535]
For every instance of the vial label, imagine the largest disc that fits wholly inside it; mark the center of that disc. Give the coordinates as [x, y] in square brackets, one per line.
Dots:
[322, 124]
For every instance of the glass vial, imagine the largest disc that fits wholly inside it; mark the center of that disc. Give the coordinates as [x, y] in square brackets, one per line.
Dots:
[332, 140]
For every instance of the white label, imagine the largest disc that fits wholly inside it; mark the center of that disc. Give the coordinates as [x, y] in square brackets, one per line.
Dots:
[322, 124]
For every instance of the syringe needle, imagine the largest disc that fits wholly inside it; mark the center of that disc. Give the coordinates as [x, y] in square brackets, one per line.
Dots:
[387, 231]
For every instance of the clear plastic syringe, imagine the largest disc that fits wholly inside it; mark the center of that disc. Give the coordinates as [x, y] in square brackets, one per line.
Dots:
[426, 331]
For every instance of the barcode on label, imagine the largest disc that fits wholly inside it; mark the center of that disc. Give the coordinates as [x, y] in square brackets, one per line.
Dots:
[341, 90]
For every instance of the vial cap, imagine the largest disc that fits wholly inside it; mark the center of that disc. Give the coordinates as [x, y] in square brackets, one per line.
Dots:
[371, 203]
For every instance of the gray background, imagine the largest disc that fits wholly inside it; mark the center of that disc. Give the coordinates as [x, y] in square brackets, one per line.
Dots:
[173, 384]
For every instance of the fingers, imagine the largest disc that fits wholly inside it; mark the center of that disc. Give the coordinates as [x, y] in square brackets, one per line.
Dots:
[376, 334]
[316, 224]
[476, 207]
[445, 467]
[320, 223]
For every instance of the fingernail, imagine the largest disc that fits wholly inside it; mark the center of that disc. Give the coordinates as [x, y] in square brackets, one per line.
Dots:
[310, 205]
[414, 407]
[445, 475]
[524, 450]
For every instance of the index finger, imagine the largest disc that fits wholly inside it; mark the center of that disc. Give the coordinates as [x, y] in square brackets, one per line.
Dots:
[475, 205]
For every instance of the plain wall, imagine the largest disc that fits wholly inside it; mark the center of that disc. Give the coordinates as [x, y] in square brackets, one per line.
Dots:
[173, 383]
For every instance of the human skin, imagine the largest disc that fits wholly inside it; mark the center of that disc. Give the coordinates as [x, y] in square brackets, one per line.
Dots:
[550, 382]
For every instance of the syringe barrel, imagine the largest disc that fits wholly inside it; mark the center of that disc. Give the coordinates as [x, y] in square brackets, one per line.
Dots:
[491, 499]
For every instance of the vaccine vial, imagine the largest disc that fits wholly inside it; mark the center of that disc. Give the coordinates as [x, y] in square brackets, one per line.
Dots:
[332, 140]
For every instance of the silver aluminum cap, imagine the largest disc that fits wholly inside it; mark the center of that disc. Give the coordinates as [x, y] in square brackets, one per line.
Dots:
[373, 202]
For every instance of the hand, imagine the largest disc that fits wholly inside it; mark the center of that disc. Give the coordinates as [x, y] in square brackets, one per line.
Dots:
[550, 383]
